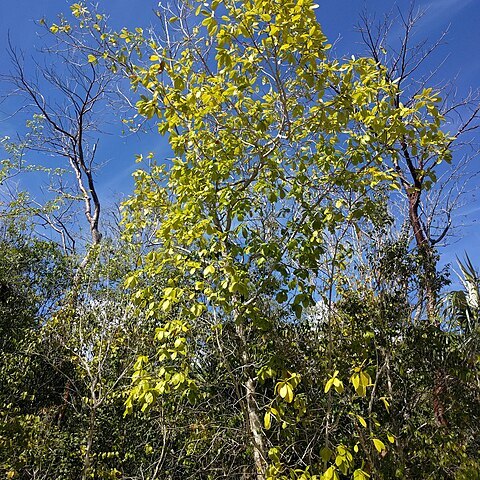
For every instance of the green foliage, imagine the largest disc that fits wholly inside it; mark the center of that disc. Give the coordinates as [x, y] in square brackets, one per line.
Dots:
[258, 316]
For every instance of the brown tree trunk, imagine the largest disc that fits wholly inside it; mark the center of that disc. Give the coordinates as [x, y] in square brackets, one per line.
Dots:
[429, 271]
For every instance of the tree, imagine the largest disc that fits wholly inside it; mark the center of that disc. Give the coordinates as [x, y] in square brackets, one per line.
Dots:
[419, 159]
[65, 106]
[276, 147]
[33, 277]
[418, 163]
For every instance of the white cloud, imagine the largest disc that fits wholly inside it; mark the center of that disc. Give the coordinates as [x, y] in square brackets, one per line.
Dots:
[441, 11]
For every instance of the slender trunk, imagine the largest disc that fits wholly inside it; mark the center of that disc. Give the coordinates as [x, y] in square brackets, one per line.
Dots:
[254, 424]
[439, 388]
[87, 460]
[90, 197]
[426, 253]
[66, 399]
[256, 431]
[429, 272]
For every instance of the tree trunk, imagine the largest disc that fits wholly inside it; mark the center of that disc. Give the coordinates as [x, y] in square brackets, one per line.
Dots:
[256, 431]
[87, 459]
[428, 265]
[254, 424]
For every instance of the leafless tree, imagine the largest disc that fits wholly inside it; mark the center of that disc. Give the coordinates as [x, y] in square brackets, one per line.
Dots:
[66, 101]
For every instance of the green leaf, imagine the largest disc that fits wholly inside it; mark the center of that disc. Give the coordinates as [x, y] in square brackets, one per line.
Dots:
[267, 420]
[379, 445]
[365, 379]
[325, 454]
[330, 474]
[362, 421]
[209, 270]
[360, 381]
[281, 297]
[329, 385]
[385, 402]
[285, 391]
[197, 309]
[360, 475]
[131, 281]
[92, 59]
[148, 398]
[338, 384]
[355, 381]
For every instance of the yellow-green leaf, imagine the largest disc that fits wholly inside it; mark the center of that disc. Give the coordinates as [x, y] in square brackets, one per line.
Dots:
[209, 270]
[360, 475]
[267, 420]
[338, 384]
[285, 391]
[328, 385]
[379, 445]
[362, 421]
[330, 474]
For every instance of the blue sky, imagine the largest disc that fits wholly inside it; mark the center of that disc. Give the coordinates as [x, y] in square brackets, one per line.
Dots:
[460, 54]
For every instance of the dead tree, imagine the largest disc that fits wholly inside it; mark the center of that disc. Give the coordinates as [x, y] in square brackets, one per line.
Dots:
[66, 103]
